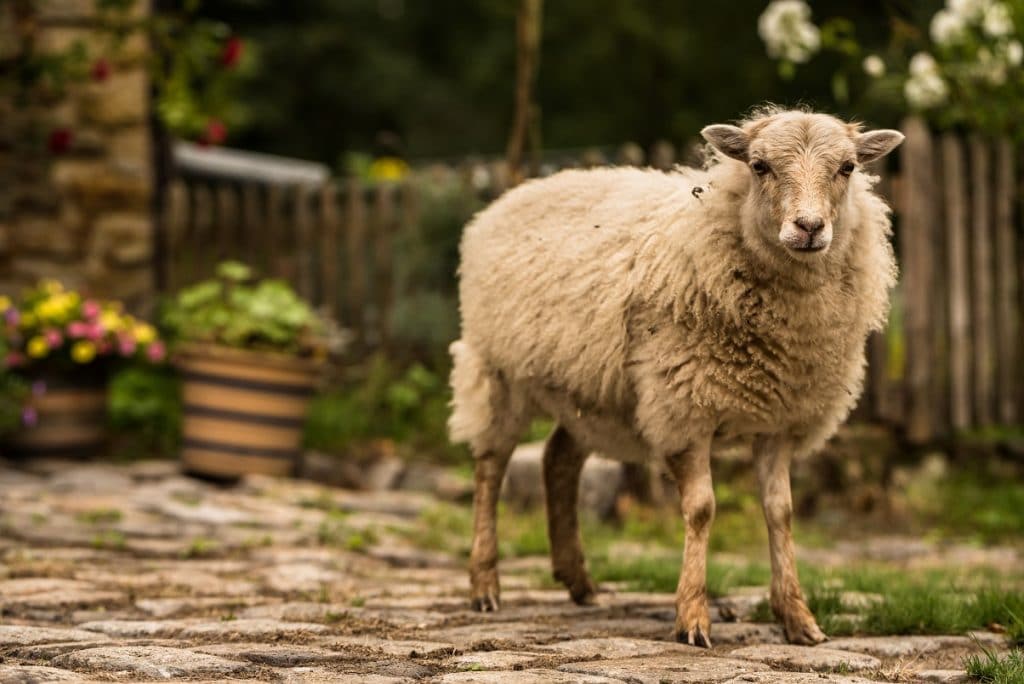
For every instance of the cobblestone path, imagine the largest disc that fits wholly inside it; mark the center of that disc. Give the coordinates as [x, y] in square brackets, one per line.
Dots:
[135, 573]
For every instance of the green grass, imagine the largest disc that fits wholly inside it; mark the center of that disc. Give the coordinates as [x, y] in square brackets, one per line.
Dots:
[992, 669]
[99, 516]
[985, 507]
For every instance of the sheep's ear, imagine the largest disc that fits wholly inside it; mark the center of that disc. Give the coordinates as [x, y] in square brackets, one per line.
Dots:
[729, 140]
[875, 144]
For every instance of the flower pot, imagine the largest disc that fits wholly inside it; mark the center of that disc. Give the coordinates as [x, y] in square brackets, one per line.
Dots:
[244, 411]
[70, 420]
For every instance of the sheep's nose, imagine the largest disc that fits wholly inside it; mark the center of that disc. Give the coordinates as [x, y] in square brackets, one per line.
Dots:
[810, 225]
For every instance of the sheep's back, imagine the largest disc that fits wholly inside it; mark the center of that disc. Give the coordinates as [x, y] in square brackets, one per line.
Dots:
[545, 276]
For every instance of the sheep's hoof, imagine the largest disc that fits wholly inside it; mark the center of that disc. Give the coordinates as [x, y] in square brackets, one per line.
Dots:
[694, 637]
[804, 633]
[583, 592]
[486, 604]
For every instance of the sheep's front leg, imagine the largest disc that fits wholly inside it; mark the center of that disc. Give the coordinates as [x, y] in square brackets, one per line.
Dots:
[772, 457]
[563, 463]
[483, 558]
[692, 470]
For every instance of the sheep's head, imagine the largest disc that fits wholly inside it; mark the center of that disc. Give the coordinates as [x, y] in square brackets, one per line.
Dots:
[801, 165]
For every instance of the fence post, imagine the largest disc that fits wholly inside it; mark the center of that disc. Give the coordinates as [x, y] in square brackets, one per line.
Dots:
[329, 252]
[954, 191]
[383, 255]
[917, 246]
[355, 248]
[1007, 325]
[981, 233]
[304, 252]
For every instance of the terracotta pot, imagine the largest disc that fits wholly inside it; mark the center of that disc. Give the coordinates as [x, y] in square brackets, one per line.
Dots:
[71, 421]
[244, 411]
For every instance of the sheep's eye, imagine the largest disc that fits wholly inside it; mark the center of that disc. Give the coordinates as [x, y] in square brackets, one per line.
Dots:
[760, 167]
[847, 168]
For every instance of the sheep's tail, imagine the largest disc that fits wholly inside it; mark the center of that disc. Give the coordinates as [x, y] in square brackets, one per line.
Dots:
[472, 409]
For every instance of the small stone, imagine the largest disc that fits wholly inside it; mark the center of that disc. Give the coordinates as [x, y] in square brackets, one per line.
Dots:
[402, 648]
[157, 662]
[525, 677]
[23, 635]
[741, 603]
[745, 633]
[615, 647]
[250, 629]
[135, 629]
[273, 654]
[942, 676]
[31, 674]
[797, 678]
[492, 660]
[899, 646]
[806, 658]
[676, 668]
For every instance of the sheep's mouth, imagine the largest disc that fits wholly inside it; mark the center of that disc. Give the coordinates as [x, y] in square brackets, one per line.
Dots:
[809, 248]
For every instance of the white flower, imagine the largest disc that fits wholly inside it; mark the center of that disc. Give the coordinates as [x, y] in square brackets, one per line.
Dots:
[925, 90]
[874, 66]
[990, 68]
[947, 27]
[786, 29]
[1014, 53]
[923, 64]
[969, 10]
[997, 22]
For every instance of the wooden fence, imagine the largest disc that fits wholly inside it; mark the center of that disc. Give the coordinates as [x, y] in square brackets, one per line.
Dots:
[950, 360]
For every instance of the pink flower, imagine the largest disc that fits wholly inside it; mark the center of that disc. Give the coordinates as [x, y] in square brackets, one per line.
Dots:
[90, 309]
[12, 316]
[95, 332]
[156, 352]
[78, 329]
[126, 345]
[53, 338]
[29, 417]
[14, 359]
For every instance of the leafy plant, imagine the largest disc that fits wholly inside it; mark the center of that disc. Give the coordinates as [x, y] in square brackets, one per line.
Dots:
[237, 310]
[383, 400]
[144, 408]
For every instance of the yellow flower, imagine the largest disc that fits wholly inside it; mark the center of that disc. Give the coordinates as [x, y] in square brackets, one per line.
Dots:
[37, 347]
[111, 320]
[144, 333]
[52, 286]
[83, 351]
[5, 302]
[388, 169]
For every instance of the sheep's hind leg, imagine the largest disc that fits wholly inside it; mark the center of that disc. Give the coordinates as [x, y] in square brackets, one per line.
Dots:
[772, 462]
[692, 470]
[563, 463]
[483, 558]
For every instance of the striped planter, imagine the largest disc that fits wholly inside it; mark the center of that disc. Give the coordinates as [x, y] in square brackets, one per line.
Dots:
[243, 411]
[71, 422]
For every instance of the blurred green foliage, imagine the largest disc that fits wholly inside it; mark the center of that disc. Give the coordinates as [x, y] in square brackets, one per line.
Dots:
[144, 410]
[384, 400]
[436, 78]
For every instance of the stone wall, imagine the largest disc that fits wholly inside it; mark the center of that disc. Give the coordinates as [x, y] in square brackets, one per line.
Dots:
[80, 214]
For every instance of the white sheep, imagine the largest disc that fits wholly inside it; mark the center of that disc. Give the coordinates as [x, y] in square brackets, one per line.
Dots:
[655, 315]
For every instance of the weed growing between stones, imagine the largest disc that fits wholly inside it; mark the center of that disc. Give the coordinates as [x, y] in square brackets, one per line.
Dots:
[991, 669]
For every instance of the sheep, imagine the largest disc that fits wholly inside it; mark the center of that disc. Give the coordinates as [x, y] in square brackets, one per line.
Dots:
[656, 316]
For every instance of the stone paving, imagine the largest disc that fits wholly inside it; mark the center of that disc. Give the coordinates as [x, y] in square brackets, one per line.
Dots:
[136, 573]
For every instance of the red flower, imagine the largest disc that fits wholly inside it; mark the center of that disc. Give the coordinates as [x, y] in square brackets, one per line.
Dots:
[215, 134]
[100, 69]
[232, 52]
[60, 140]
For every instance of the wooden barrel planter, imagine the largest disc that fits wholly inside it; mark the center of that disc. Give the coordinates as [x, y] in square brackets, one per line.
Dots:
[71, 422]
[244, 411]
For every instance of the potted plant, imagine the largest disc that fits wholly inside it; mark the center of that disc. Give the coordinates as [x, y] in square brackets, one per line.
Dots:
[250, 352]
[62, 346]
